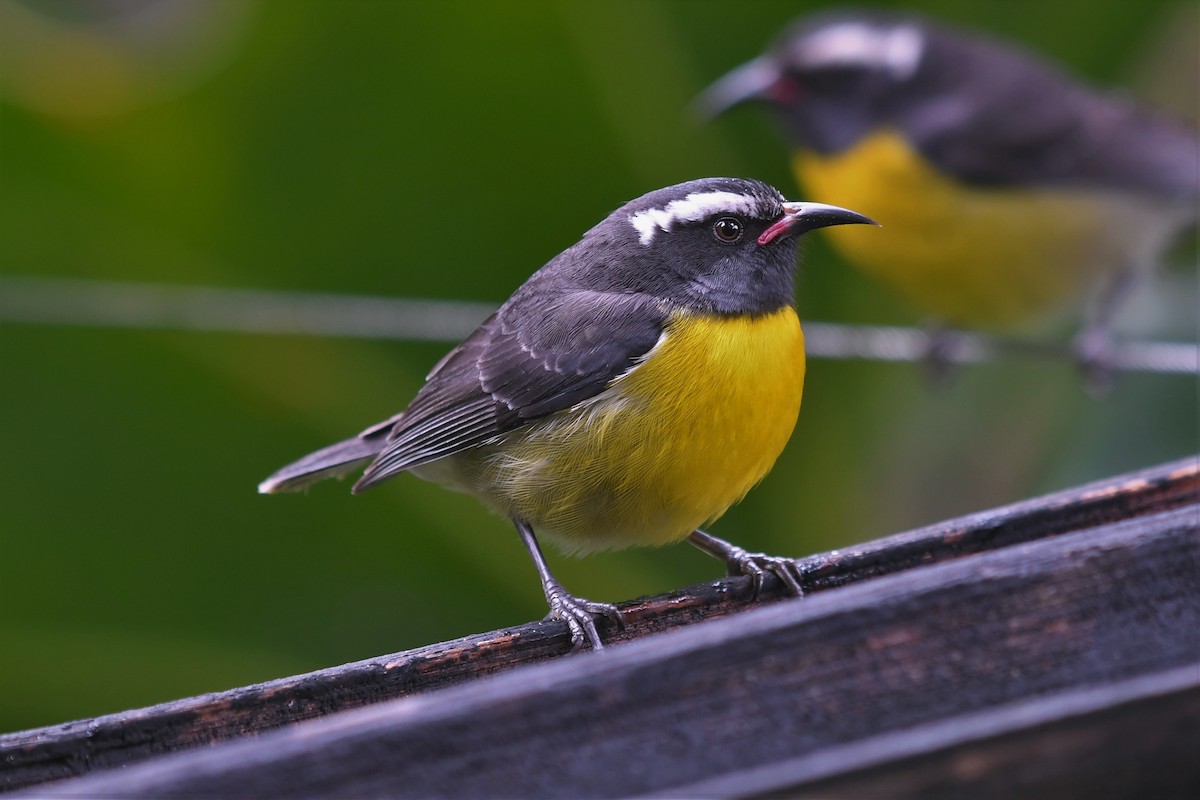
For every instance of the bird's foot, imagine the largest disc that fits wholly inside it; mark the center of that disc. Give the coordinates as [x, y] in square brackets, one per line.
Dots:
[580, 615]
[738, 561]
[1093, 355]
[756, 565]
[938, 363]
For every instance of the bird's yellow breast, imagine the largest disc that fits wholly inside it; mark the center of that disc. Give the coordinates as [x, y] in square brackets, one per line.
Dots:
[668, 447]
[973, 256]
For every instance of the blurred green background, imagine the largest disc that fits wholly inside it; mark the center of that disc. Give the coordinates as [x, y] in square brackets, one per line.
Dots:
[440, 150]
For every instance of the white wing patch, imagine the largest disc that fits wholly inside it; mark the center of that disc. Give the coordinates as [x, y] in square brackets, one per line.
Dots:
[898, 50]
[692, 208]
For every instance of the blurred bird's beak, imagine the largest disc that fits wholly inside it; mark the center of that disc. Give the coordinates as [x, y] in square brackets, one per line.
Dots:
[751, 81]
[803, 217]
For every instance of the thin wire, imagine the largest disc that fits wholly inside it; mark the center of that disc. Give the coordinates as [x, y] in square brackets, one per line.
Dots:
[881, 343]
[59, 301]
[62, 301]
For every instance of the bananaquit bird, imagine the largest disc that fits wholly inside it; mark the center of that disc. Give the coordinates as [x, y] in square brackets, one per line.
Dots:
[631, 390]
[1009, 189]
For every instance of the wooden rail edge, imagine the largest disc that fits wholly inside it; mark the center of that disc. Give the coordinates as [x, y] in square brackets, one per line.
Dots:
[35, 756]
[1095, 632]
[1132, 738]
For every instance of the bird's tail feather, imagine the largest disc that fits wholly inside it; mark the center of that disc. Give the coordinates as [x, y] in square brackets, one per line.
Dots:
[335, 461]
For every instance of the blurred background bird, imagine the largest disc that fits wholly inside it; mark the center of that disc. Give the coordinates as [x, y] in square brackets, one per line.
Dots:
[1009, 191]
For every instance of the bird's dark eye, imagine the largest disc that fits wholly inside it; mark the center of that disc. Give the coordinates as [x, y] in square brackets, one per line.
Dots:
[727, 229]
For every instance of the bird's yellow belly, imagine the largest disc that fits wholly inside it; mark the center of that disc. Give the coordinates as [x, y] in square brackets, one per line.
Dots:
[981, 257]
[666, 448]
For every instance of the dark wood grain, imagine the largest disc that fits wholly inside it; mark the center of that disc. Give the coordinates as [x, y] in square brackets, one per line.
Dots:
[76, 748]
[958, 645]
[1136, 738]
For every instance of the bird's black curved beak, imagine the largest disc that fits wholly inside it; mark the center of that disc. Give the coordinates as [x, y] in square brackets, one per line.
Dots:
[751, 81]
[803, 217]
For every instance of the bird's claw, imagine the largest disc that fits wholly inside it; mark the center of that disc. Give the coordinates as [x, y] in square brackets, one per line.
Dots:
[580, 616]
[1093, 355]
[756, 565]
[938, 362]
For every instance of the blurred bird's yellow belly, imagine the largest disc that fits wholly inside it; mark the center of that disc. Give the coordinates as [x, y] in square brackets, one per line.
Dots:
[973, 256]
[668, 447]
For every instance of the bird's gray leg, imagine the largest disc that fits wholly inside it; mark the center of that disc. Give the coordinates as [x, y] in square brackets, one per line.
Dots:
[756, 565]
[1093, 344]
[937, 363]
[579, 614]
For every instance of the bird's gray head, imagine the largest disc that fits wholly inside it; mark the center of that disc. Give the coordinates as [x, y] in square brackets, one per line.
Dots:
[831, 77]
[723, 245]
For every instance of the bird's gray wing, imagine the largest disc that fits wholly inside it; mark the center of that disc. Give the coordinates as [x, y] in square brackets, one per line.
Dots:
[1016, 120]
[540, 353]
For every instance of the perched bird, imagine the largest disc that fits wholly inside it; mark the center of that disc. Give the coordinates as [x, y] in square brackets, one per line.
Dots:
[630, 391]
[1010, 190]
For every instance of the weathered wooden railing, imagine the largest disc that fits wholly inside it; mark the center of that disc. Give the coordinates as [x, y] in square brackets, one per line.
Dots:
[1046, 649]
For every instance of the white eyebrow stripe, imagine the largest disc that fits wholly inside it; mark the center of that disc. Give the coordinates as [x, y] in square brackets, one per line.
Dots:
[692, 208]
[852, 43]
